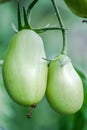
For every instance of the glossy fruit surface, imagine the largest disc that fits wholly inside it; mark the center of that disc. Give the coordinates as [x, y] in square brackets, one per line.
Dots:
[79, 7]
[24, 70]
[64, 89]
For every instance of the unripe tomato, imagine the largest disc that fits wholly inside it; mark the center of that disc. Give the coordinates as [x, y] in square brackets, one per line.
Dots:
[79, 7]
[24, 70]
[64, 88]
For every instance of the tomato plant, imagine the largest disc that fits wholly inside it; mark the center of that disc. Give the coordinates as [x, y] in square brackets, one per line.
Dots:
[79, 7]
[26, 71]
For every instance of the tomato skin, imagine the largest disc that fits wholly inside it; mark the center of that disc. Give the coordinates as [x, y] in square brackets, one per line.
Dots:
[79, 7]
[24, 70]
[64, 88]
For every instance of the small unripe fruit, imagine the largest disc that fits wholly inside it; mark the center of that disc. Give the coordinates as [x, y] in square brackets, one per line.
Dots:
[64, 88]
[79, 7]
[24, 70]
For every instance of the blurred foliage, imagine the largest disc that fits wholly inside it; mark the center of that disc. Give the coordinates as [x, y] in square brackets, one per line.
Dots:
[2, 1]
[12, 115]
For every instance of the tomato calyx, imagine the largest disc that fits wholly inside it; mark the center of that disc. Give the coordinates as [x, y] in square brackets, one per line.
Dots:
[32, 107]
[63, 59]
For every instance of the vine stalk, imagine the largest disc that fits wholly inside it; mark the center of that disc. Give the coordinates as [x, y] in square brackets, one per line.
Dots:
[41, 30]
[64, 48]
[31, 6]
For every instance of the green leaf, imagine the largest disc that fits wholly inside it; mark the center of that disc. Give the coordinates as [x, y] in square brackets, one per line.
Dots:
[79, 121]
[84, 81]
[65, 122]
[79, 117]
[80, 73]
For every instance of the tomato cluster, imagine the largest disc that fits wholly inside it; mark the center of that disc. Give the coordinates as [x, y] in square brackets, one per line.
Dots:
[25, 75]
[28, 77]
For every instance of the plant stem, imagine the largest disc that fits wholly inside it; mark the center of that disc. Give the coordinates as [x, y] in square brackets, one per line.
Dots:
[64, 49]
[31, 6]
[27, 25]
[19, 18]
[41, 30]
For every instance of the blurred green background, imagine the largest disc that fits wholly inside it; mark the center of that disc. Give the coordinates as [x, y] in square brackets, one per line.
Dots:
[12, 115]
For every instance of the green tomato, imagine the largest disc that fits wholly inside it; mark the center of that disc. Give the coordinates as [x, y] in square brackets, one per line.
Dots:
[79, 7]
[64, 88]
[24, 70]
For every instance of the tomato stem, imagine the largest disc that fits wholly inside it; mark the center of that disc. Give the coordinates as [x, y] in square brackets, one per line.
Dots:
[27, 25]
[41, 30]
[19, 18]
[32, 4]
[64, 49]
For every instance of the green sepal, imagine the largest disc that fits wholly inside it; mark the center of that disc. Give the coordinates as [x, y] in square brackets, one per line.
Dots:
[26, 19]
[19, 18]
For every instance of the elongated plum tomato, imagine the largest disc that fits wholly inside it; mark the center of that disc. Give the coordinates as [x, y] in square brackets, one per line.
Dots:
[64, 89]
[79, 7]
[24, 70]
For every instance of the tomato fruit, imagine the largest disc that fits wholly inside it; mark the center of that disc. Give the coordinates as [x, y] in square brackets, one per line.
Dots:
[64, 88]
[24, 70]
[79, 7]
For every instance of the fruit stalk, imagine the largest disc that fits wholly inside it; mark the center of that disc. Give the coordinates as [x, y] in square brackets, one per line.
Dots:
[31, 6]
[41, 30]
[64, 48]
